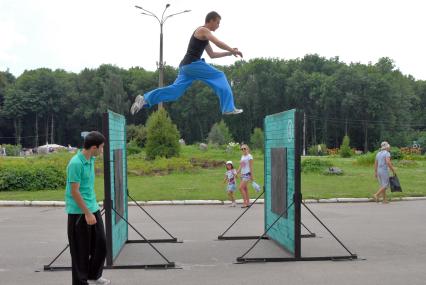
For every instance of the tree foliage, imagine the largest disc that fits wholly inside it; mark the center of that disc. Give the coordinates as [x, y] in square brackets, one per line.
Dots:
[219, 134]
[368, 102]
[257, 139]
[162, 138]
[345, 149]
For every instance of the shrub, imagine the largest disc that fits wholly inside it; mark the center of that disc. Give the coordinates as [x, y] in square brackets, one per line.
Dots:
[138, 166]
[414, 157]
[406, 163]
[32, 178]
[257, 139]
[219, 134]
[345, 149]
[421, 139]
[12, 150]
[162, 138]
[133, 148]
[396, 153]
[137, 133]
[233, 147]
[367, 158]
[315, 165]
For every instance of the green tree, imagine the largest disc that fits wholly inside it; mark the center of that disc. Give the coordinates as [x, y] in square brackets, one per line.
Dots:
[15, 107]
[162, 136]
[219, 134]
[137, 134]
[345, 149]
[257, 139]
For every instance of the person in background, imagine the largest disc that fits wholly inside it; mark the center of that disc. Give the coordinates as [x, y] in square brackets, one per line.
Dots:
[230, 176]
[246, 170]
[382, 165]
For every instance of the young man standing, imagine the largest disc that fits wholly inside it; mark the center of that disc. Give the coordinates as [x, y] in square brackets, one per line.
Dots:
[86, 233]
[192, 67]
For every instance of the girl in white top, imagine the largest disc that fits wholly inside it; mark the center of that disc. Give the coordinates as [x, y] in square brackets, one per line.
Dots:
[246, 170]
[230, 177]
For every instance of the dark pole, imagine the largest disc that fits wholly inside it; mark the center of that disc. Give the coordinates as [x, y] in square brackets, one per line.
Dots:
[161, 22]
[160, 64]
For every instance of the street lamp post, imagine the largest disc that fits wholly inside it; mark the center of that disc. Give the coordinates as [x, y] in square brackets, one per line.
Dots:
[161, 22]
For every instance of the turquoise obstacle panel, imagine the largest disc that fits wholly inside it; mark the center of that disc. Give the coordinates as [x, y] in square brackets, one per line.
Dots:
[282, 179]
[115, 182]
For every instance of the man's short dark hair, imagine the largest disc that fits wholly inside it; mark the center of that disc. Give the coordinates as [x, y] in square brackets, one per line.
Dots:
[212, 16]
[93, 138]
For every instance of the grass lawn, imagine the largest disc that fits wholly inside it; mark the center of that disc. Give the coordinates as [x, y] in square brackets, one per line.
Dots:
[357, 181]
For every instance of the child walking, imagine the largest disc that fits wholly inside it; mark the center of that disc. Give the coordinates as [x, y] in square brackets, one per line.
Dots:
[230, 176]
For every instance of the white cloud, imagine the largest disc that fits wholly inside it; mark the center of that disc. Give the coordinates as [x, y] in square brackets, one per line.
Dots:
[11, 40]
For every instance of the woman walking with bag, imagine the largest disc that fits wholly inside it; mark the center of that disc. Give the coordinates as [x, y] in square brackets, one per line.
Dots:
[381, 171]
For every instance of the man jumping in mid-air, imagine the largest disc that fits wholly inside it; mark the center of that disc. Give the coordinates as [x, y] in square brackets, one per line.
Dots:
[193, 67]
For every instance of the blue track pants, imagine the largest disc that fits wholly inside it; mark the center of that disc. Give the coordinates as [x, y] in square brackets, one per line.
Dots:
[197, 70]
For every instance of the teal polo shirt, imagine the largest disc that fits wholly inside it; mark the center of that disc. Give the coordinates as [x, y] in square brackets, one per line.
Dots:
[80, 170]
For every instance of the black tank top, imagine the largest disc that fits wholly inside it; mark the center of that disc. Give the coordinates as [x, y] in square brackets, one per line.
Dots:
[195, 50]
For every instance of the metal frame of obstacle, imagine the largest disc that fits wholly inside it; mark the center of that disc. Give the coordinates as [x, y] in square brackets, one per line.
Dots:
[115, 204]
[116, 216]
[283, 214]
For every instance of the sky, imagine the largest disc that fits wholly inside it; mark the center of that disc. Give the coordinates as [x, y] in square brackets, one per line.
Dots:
[73, 35]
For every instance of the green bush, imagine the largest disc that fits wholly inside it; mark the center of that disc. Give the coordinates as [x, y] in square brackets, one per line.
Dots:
[137, 165]
[32, 178]
[315, 165]
[396, 153]
[313, 150]
[133, 148]
[136, 133]
[420, 139]
[403, 163]
[257, 139]
[345, 149]
[414, 157]
[370, 157]
[219, 134]
[367, 158]
[12, 150]
[162, 138]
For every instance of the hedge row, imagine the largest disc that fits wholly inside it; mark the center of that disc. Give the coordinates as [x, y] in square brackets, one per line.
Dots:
[31, 178]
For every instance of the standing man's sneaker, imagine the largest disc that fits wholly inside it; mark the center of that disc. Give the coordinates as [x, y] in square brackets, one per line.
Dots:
[100, 281]
[235, 112]
[137, 105]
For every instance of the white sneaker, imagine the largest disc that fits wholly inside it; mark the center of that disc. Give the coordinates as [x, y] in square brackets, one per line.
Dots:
[100, 281]
[235, 112]
[137, 105]
[233, 204]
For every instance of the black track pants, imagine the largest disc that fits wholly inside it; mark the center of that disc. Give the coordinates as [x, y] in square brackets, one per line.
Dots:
[87, 247]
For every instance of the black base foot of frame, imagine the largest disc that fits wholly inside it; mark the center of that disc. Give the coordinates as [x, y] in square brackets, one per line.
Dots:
[292, 259]
[170, 265]
[312, 235]
[170, 240]
[241, 237]
[56, 268]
